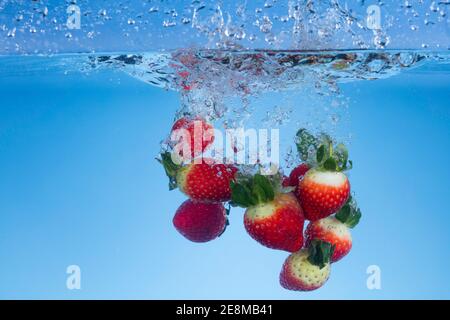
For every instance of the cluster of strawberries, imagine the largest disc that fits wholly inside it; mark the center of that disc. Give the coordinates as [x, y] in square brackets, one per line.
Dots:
[276, 206]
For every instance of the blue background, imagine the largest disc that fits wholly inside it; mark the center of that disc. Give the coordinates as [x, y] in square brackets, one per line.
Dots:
[79, 185]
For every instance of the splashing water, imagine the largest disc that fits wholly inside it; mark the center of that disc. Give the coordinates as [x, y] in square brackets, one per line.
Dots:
[224, 86]
[308, 47]
[42, 27]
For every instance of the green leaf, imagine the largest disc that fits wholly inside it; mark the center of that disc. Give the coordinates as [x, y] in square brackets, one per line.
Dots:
[241, 195]
[249, 191]
[349, 214]
[356, 217]
[341, 154]
[330, 164]
[320, 155]
[305, 141]
[326, 140]
[170, 168]
[344, 213]
[263, 183]
[320, 253]
[258, 194]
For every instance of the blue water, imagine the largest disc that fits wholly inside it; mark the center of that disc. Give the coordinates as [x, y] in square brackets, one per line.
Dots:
[79, 186]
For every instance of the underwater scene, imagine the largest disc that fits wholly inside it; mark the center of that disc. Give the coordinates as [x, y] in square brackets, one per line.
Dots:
[277, 149]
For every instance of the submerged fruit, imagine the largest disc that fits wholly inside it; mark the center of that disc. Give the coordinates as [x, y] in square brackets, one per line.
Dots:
[322, 193]
[335, 230]
[307, 269]
[325, 188]
[296, 175]
[199, 221]
[206, 182]
[277, 224]
[201, 181]
[272, 218]
[200, 136]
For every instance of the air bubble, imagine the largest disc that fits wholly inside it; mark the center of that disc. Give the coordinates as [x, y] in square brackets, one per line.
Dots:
[11, 33]
[168, 23]
[265, 25]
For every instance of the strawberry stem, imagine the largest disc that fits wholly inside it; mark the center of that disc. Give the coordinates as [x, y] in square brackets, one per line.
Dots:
[252, 190]
[330, 146]
[328, 156]
[320, 253]
[350, 214]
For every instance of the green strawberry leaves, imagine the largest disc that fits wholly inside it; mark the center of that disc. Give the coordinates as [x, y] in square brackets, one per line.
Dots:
[330, 164]
[170, 167]
[320, 153]
[267, 189]
[251, 191]
[341, 154]
[305, 142]
[350, 214]
[328, 156]
[320, 253]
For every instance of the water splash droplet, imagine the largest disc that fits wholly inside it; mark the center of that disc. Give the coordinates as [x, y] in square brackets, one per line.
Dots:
[11, 33]
[265, 26]
[168, 23]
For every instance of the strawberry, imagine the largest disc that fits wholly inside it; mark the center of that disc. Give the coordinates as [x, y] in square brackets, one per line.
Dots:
[200, 132]
[296, 174]
[335, 230]
[200, 181]
[200, 221]
[325, 188]
[322, 193]
[307, 269]
[272, 218]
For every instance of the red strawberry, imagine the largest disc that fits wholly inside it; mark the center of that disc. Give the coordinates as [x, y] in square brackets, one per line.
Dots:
[273, 219]
[200, 221]
[200, 133]
[325, 188]
[206, 182]
[296, 174]
[202, 181]
[322, 193]
[307, 269]
[335, 230]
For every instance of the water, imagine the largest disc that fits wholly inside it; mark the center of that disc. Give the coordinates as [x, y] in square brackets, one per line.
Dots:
[84, 113]
[80, 184]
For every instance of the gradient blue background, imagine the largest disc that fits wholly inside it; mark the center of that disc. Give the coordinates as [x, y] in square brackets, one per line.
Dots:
[79, 185]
